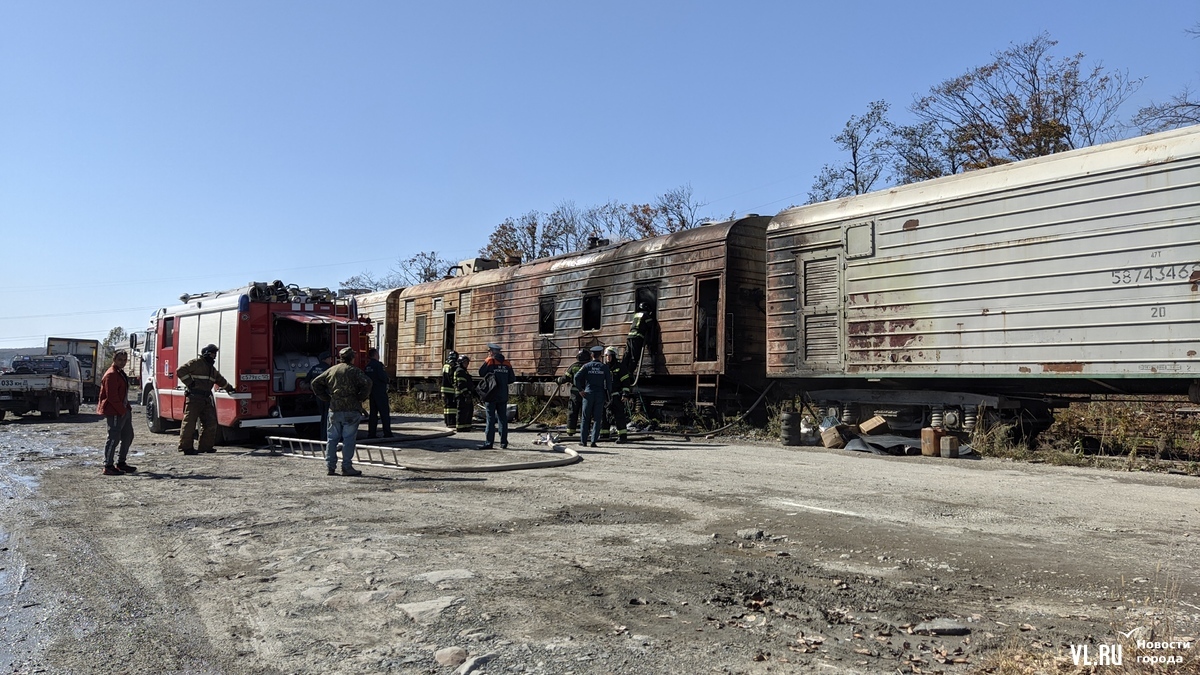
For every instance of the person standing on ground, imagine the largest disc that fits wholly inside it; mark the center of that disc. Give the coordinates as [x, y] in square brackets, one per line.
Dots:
[199, 376]
[381, 407]
[118, 415]
[464, 385]
[323, 363]
[345, 388]
[595, 381]
[449, 406]
[616, 416]
[497, 408]
[575, 402]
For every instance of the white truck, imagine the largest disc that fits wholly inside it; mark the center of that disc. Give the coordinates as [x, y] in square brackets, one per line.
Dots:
[48, 384]
[88, 353]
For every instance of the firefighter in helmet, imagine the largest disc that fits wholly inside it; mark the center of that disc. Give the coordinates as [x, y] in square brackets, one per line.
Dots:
[199, 376]
[641, 330]
[616, 415]
[449, 405]
[464, 387]
[575, 402]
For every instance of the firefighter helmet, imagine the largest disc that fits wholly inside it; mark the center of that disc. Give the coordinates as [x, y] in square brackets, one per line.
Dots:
[452, 357]
[347, 354]
[610, 350]
[209, 350]
[583, 356]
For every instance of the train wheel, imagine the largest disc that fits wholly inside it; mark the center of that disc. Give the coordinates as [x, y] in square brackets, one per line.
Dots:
[156, 424]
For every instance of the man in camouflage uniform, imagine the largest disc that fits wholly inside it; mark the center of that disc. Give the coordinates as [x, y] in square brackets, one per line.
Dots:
[199, 376]
[615, 413]
[449, 406]
[575, 402]
[464, 388]
[345, 387]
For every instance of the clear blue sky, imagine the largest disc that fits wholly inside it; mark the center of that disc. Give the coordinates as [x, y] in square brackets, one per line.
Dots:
[153, 148]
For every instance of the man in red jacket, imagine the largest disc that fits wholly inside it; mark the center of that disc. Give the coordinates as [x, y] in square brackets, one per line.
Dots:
[118, 414]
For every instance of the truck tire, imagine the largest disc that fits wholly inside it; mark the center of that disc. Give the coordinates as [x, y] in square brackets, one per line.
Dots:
[55, 404]
[73, 408]
[156, 424]
[2, 414]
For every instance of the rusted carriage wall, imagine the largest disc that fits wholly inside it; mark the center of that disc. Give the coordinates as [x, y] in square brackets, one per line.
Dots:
[380, 309]
[504, 303]
[1077, 267]
[745, 301]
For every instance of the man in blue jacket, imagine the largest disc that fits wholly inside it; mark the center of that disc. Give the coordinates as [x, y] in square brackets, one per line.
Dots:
[595, 381]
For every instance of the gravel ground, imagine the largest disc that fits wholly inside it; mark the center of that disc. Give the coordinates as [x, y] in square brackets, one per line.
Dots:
[662, 556]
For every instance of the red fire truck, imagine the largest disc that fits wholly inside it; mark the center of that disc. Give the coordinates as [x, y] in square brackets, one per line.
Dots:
[269, 336]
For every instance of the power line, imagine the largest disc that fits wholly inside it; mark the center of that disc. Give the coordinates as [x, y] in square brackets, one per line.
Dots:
[94, 311]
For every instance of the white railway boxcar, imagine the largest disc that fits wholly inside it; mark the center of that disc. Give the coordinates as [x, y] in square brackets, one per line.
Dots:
[1075, 273]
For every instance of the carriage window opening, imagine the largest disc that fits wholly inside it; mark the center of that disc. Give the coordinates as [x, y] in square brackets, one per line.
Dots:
[648, 295]
[591, 312]
[437, 304]
[422, 320]
[169, 332]
[408, 310]
[708, 293]
[546, 315]
[464, 302]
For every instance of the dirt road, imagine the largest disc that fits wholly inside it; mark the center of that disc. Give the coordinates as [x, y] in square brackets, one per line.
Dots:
[663, 556]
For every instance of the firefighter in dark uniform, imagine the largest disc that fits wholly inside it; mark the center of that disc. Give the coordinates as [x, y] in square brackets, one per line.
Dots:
[640, 331]
[449, 407]
[575, 402]
[381, 407]
[464, 387]
[615, 414]
[323, 362]
[594, 380]
[199, 376]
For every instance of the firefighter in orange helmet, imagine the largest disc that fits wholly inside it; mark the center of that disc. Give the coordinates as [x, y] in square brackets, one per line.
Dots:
[199, 376]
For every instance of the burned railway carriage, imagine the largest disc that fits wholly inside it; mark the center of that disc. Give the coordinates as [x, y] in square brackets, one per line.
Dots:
[1075, 273]
[706, 285]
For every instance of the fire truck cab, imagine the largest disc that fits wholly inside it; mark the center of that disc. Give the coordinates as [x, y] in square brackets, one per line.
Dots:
[269, 335]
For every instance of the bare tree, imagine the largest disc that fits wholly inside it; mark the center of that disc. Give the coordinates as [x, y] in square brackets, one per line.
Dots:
[521, 237]
[922, 152]
[865, 140]
[1180, 110]
[614, 220]
[422, 267]
[367, 281]
[563, 229]
[1026, 103]
[677, 210]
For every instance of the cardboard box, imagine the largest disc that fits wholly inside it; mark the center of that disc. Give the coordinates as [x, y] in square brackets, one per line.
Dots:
[950, 446]
[875, 425]
[832, 437]
[931, 442]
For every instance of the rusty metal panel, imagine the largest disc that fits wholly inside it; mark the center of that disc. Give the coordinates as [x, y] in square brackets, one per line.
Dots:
[1082, 265]
[382, 309]
[505, 303]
